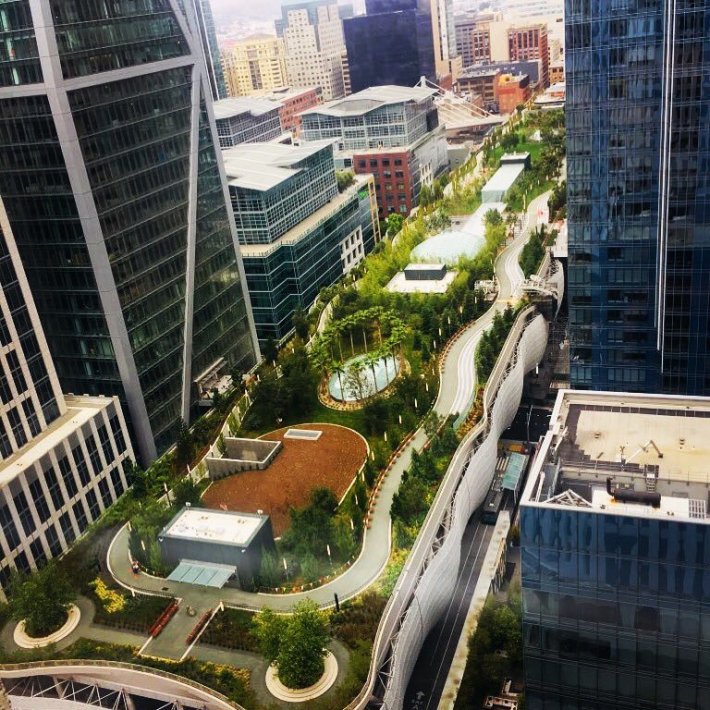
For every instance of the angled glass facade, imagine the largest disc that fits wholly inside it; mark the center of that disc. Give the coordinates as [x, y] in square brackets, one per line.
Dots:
[638, 162]
[19, 55]
[115, 196]
[208, 37]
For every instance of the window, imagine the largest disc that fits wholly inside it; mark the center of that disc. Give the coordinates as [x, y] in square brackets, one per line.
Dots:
[55, 546]
[68, 476]
[55, 491]
[24, 513]
[80, 515]
[81, 467]
[116, 480]
[9, 530]
[105, 491]
[117, 434]
[67, 528]
[93, 503]
[37, 550]
[105, 443]
[39, 500]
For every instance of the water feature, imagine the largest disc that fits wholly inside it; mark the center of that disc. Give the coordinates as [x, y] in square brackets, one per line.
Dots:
[357, 386]
[449, 246]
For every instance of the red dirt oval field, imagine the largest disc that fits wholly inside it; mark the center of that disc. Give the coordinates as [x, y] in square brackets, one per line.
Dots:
[331, 461]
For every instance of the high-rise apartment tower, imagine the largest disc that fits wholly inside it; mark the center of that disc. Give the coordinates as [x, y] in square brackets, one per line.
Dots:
[312, 31]
[638, 157]
[116, 195]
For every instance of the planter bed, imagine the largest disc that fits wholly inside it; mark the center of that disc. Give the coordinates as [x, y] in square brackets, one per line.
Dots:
[139, 614]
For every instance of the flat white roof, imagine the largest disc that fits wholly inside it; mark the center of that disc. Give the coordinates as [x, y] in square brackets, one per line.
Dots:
[214, 526]
[79, 411]
[504, 177]
[370, 99]
[669, 506]
[236, 106]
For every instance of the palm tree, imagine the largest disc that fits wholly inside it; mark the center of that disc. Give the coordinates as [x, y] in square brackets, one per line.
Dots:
[349, 323]
[337, 330]
[370, 361]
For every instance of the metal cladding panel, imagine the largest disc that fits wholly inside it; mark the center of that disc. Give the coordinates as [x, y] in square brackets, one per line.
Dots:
[524, 348]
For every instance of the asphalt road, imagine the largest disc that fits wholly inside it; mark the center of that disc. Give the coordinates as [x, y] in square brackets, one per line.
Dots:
[432, 668]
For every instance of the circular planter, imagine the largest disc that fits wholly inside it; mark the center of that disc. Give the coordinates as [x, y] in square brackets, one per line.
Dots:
[289, 695]
[24, 640]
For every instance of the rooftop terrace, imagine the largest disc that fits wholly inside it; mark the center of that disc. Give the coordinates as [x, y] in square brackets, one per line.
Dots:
[646, 444]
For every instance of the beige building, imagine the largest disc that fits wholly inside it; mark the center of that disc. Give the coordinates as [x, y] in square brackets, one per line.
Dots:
[314, 45]
[482, 38]
[256, 63]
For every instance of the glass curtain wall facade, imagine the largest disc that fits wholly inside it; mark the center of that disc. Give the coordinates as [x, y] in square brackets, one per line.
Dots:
[616, 611]
[374, 59]
[638, 157]
[113, 189]
[291, 275]
[208, 37]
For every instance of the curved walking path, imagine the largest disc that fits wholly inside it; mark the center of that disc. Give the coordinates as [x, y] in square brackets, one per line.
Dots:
[458, 379]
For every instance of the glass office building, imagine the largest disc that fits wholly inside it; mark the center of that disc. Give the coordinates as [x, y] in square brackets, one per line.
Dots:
[392, 44]
[297, 232]
[210, 48]
[115, 194]
[615, 540]
[638, 163]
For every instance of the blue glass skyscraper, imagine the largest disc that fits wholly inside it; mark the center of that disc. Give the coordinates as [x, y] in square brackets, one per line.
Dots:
[615, 546]
[638, 139]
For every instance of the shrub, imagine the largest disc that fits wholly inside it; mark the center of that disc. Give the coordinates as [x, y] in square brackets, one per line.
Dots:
[111, 600]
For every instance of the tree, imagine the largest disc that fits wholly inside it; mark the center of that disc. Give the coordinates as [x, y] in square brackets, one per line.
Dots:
[394, 223]
[184, 447]
[300, 323]
[270, 351]
[295, 644]
[345, 178]
[268, 629]
[270, 571]
[42, 599]
[492, 218]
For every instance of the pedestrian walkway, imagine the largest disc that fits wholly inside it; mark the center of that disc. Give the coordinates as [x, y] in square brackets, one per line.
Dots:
[457, 383]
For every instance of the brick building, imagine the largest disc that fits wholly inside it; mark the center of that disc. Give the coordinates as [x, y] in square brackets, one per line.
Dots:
[511, 91]
[530, 42]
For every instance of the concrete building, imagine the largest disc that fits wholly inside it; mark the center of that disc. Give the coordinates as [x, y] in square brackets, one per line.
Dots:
[63, 460]
[615, 540]
[292, 102]
[511, 90]
[391, 132]
[297, 232]
[256, 63]
[247, 120]
[215, 547]
[393, 44]
[312, 31]
[210, 48]
[530, 42]
[483, 79]
[114, 188]
[482, 38]
[447, 61]
[557, 72]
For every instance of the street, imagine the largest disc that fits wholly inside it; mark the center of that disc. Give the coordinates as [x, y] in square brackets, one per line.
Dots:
[429, 676]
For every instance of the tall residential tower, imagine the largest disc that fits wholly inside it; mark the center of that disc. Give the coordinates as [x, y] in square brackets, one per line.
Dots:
[117, 198]
[638, 164]
[312, 32]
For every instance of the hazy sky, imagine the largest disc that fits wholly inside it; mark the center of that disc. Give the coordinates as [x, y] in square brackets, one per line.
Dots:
[230, 10]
